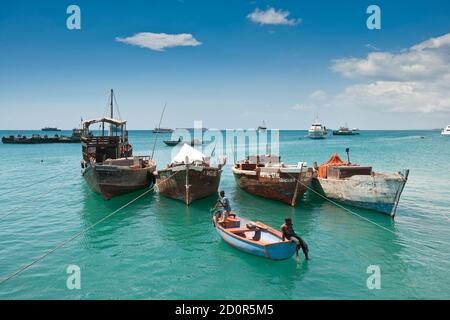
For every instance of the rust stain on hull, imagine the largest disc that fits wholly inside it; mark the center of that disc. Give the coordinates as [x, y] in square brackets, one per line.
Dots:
[111, 181]
[282, 187]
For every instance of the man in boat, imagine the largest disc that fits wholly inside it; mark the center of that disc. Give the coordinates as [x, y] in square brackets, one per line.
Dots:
[287, 229]
[224, 203]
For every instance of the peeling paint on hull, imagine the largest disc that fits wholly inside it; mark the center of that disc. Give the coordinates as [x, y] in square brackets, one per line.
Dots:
[378, 192]
[111, 181]
[281, 187]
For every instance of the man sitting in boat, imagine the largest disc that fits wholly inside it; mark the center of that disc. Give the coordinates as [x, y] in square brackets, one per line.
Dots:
[287, 229]
[224, 203]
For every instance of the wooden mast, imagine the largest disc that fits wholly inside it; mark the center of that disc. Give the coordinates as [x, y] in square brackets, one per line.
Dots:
[187, 181]
[111, 114]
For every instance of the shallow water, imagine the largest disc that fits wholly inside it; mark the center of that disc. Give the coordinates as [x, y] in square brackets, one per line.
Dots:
[159, 249]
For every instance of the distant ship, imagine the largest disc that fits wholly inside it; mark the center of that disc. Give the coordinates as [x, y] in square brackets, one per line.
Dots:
[446, 131]
[345, 131]
[317, 131]
[50, 129]
[162, 130]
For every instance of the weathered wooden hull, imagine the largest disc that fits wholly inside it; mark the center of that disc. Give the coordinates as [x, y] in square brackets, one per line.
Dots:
[111, 181]
[281, 187]
[190, 184]
[378, 192]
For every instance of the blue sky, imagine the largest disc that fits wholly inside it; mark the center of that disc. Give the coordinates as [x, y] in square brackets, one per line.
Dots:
[325, 62]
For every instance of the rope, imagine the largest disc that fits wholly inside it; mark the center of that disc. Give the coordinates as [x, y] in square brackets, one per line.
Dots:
[77, 235]
[341, 206]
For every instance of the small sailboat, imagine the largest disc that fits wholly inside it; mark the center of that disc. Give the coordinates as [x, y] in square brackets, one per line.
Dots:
[446, 131]
[359, 186]
[266, 176]
[254, 238]
[172, 143]
[108, 164]
[189, 176]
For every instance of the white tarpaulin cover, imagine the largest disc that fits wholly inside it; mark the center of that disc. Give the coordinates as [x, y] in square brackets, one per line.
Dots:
[191, 153]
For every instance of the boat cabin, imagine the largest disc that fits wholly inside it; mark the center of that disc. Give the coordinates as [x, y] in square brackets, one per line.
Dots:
[347, 171]
[110, 144]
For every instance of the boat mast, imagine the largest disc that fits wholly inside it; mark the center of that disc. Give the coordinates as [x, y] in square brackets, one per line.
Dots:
[111, 113]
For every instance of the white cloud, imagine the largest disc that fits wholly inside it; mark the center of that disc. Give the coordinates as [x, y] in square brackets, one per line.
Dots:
[416, 79]
[300, 107]
[319, 95]
[272, 17]
[160, 41]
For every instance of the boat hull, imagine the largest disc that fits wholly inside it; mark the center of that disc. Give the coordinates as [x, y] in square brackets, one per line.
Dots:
[316, 135]
[378, 192]
[189, 184]
[111, 181]
[281, 186]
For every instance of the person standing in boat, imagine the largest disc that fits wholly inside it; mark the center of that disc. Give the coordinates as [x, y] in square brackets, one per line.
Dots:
[287, 229]
[224, 203]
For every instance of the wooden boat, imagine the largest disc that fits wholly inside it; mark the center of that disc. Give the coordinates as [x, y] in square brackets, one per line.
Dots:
[172, 143]
[268, 177]
[189, 176]
[359, 186]
[108, 164]
[240, 234]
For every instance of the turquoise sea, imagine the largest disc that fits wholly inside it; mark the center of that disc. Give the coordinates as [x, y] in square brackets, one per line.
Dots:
[157, 248]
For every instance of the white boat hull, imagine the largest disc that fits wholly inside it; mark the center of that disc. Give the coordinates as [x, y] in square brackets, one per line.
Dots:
[316, 134]
[378, 192]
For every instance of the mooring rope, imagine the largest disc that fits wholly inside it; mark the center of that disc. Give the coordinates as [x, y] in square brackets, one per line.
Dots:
[77, 235]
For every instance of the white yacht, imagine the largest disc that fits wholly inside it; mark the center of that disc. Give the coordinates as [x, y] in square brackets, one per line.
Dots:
[317, 131]
[446, 131]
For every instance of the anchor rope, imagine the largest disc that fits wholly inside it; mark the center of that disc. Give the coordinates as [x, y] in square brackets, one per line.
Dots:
[77, 235]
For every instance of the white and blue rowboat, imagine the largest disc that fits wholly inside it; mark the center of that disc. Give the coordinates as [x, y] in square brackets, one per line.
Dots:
[270, 245]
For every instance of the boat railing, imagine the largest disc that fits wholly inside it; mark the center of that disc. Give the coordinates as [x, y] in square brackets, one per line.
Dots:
[101, 140]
